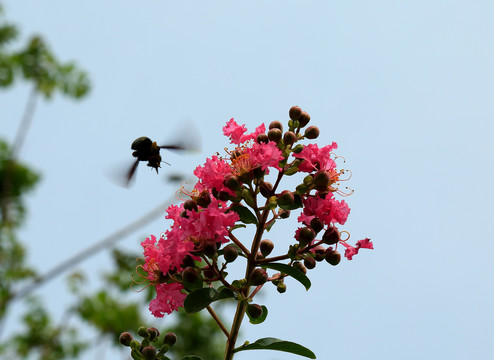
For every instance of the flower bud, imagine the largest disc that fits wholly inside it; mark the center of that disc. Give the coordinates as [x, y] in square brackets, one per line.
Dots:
[204, 199]
[299, 266]
[265, 188]
[254, 311]
[153, 333]
[149, 353]
[223, 196]
[275, 134]
[319, 253]
[304, 119]
[209, 249]
[190, 274]
[230, 253]
[312, 132]
[316, 224]
[258, 277]
[297, 149]
[188, 261]
[281, 287]
[308, 179]
[285, 214]
[134, 344]
[305, 236]
[266, 247]
[301, 189]
[125, 338]
[333, 257]
[331, 236]
[262, 139]
[170, 339]
[208, 272]
[286, 198]
[289, 138]
[276, 125]
[231, 182]
[190, 205]
[310, 262]
[143, 331]
[295, 112]
[321, 180]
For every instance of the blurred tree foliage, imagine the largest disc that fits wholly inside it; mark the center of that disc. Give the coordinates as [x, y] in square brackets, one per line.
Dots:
[109, 311]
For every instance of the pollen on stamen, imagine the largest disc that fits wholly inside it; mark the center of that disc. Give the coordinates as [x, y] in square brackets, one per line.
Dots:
[183, 191]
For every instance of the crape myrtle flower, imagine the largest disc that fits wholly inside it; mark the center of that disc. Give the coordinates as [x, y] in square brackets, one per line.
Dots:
[169, 297]
[353, 250]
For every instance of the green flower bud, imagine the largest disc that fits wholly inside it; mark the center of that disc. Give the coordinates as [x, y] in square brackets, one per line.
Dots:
[135, 345]
[304, 119]
[254, 310]
[295, 112]
[275, 135]
[266, 247]
[125, 338]
[281, 287]
[312, 132]
[321, 180]
[333, 257]
[230, 253]
[273, 202]
[301, 189]
[231, 182]
[170, 339]
[258, 277]
[143, 331]
[297, 149]
[286, 198]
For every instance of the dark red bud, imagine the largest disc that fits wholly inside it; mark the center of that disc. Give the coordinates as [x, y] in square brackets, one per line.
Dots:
[231, 182]
[295, 112]
[312, 132]
[333, 257]
[258, 277]
[230, 253]
[265, 188]
[125, 338]
[310, 262]
[170, 339]
[316, 225]
[149, 352]
[204, 199]
[275, 134]
[319, 253]
[286, 198]
[262, 139]
[289, 138]
[254, 310]
[153, 333]
[190, 274]
[285, 214]
[209, 249]
[321, 180]
[304, 119]
[299, 266]
[331, 236]
[266, 247]
[276, 125]
[190, 205]
[306, 235]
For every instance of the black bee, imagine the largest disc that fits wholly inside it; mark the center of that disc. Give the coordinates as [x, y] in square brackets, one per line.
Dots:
[147, 150]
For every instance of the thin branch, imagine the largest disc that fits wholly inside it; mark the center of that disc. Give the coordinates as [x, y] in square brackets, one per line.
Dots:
[25, 124]
[218, 321]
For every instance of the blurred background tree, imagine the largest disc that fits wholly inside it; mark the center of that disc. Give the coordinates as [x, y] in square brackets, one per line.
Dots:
[108, 311]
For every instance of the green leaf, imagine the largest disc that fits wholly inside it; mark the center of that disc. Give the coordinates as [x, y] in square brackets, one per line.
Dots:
[289, 270]
[270, 225]
[246, 216]
[277, 344]
[191, 357]
[261, 318]
[201, 298]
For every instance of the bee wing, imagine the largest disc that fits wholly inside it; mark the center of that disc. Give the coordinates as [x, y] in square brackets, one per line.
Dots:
[131, 173]
[186, 139]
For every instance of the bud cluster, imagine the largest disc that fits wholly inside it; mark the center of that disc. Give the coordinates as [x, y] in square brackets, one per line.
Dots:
[144, 350]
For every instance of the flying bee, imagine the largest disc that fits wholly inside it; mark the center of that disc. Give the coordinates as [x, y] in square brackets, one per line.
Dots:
[147, 150]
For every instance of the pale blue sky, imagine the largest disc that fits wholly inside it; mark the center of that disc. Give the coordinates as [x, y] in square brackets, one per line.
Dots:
[404, 87]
